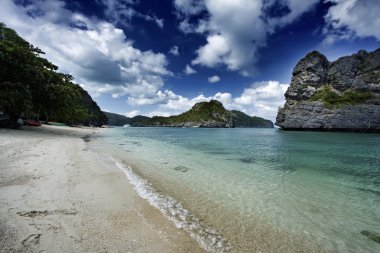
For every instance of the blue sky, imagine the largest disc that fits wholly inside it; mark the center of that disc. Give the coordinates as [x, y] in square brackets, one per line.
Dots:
[160, 57]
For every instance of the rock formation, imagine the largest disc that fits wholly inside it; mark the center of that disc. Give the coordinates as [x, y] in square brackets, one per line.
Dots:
[343, 95]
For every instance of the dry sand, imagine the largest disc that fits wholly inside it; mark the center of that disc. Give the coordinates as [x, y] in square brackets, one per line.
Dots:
[55, 196]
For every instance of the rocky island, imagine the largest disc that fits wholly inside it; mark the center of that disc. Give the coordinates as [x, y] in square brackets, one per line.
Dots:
[202, 114]
[343, 95]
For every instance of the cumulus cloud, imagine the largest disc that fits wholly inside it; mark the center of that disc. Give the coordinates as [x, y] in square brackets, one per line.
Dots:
[132, 114]
[235, 29]
[158, 97]
[118, 11]
[348, 19]
[213, 79]
[263, 98]
[189, 6]
[174, 51]
[95, 52]
[189, 70]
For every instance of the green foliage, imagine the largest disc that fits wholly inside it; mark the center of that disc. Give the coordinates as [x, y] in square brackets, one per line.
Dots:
[14, 97]
[31, 83]
[80, 114]
[333, 99]
[244, 120]
[117, 119]
[281, 109]
[96, 116]
[204, 111]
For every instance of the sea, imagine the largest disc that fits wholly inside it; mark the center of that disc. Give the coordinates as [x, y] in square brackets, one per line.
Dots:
[256, 190]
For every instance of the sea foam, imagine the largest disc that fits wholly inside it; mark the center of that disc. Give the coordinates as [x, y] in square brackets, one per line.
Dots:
[208, 238]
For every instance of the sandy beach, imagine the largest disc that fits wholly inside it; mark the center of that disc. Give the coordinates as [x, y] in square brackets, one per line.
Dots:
[56, 196]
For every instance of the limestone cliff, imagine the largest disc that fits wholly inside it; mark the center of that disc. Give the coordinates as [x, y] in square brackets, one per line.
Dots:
[343, 95]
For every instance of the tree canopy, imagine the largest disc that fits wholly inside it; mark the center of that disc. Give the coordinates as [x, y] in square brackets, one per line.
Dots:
[31, 86]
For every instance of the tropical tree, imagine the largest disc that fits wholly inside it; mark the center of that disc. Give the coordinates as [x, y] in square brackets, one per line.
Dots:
[30, 84]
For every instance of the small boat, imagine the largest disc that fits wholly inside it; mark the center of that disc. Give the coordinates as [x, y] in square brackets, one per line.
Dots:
[31, 122]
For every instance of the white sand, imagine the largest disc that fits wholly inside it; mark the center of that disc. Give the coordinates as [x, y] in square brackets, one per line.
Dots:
[56, 197]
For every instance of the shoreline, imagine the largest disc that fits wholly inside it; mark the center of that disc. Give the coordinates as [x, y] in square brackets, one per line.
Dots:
[56, 196]
[224, 236]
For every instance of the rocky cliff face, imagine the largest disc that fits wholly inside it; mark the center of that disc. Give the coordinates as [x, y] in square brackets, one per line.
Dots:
[343, 95]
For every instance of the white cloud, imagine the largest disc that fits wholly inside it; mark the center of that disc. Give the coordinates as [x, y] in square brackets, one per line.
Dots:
[132, 114]
[189, 70]
[348, 19]
[189, 6]
[174, 51]
[293, 9]
[95, 52]
[159, 113]
[159, 21]
[235, 29]
[159, 97]
[213, 52]
[213, 79]
[263, 98]
[122, 11]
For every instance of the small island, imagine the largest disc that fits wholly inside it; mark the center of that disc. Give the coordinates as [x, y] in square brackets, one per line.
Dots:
[210, 114]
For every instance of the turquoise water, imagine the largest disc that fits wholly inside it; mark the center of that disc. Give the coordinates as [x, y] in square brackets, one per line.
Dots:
[261, 189]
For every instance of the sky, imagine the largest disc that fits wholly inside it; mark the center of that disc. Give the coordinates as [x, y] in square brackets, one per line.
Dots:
[160, 57]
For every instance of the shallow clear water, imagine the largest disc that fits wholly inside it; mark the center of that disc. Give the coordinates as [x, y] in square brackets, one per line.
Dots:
[260, 187]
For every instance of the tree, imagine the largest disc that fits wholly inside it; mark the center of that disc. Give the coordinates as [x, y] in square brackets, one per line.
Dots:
[30, 83]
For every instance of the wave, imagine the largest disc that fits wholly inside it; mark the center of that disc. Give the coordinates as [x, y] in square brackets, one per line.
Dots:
[208, 238]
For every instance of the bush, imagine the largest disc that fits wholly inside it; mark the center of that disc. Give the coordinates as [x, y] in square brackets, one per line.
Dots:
[333, 99]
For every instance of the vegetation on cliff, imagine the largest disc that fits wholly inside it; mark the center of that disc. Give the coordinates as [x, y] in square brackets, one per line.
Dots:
[203, 114]
[115, 119]
[31, 86]
[332, 98]
[244, 120]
